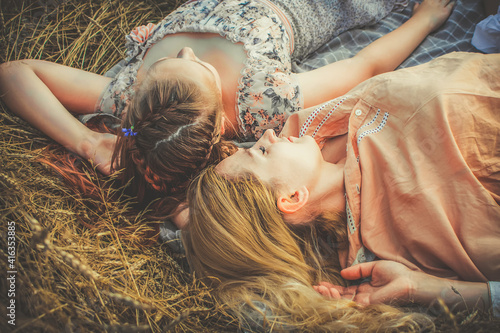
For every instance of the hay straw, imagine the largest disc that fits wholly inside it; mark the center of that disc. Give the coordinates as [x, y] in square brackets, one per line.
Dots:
[82, 264]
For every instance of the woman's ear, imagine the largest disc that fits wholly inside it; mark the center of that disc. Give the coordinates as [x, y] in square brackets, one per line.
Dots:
[291, 202]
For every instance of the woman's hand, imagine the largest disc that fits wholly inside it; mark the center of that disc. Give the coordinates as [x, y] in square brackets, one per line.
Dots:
[436, 11]
[43, 93]
[391, 282]
[383, 55]
[98, 149]
[394, 283]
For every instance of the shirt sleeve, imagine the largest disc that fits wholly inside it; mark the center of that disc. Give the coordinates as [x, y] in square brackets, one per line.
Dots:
[135, 41]
[265, 101]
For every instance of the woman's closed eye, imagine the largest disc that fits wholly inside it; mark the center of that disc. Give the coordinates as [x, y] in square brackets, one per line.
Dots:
[262, 149]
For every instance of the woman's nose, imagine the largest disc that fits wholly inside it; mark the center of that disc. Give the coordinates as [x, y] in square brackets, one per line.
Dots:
[186, 53]
[270, 136]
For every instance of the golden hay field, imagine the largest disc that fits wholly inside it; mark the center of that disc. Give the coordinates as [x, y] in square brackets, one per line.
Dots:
[85, 263]
[82, 264]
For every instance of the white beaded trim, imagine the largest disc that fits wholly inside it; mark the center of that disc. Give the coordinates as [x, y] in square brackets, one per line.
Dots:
[376, 129]
[315, 113]
[371, 121]
[350, 219]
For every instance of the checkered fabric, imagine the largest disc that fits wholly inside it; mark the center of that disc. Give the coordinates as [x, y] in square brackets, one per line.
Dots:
[454, 35]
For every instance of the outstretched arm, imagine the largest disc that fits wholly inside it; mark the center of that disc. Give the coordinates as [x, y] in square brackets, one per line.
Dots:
[42, 93]
[383, 55]
[394, 283]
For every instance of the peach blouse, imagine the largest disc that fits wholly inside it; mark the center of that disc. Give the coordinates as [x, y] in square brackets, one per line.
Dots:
[422, 175]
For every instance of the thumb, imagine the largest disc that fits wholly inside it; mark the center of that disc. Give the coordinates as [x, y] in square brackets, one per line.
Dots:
[358, 271]
[416, 6]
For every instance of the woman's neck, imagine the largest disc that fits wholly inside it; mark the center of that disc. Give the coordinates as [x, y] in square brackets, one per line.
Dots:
[331, 187]
[334, 149]
[328, 192]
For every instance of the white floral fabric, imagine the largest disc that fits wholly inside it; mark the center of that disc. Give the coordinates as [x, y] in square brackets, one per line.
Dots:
[268, 91]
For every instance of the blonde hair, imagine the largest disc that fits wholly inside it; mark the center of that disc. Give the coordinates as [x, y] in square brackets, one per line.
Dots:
[236, 239]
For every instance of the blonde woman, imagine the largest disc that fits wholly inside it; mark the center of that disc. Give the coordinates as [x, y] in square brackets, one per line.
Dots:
[405, 190]
[209, 69]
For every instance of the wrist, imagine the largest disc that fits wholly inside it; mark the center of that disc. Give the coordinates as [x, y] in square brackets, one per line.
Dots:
[457, 295]
[426, 23]
[424, 289]
[86, 146]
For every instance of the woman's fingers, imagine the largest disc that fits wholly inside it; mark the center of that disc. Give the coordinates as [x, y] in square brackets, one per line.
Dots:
[358, 271]
[328, 290]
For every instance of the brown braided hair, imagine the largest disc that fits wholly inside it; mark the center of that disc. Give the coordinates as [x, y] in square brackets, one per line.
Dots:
[178, 126]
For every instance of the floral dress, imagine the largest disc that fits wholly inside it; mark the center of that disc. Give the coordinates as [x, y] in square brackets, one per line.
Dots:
[268, 91]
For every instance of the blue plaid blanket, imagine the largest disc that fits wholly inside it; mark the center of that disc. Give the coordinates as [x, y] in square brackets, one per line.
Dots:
[454, 35]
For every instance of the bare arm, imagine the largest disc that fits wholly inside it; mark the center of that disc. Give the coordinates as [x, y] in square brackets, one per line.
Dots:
[394, 283]
[42, 93]
[381, 56]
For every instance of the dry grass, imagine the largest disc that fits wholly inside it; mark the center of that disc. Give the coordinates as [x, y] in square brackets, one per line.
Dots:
[84, 265]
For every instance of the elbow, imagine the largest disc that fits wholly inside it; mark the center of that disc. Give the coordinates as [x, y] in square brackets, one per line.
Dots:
[5, 69]
[367, 67]
[15, 65]
[10, 70]
[373, 68]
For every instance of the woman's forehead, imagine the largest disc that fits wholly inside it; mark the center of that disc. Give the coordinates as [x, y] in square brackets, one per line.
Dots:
[236, 163]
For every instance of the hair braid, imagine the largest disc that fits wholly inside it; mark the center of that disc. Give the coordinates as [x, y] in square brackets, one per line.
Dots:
[178, 134]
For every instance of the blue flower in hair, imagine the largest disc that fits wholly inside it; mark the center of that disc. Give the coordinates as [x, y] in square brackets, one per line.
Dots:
[129, 131]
